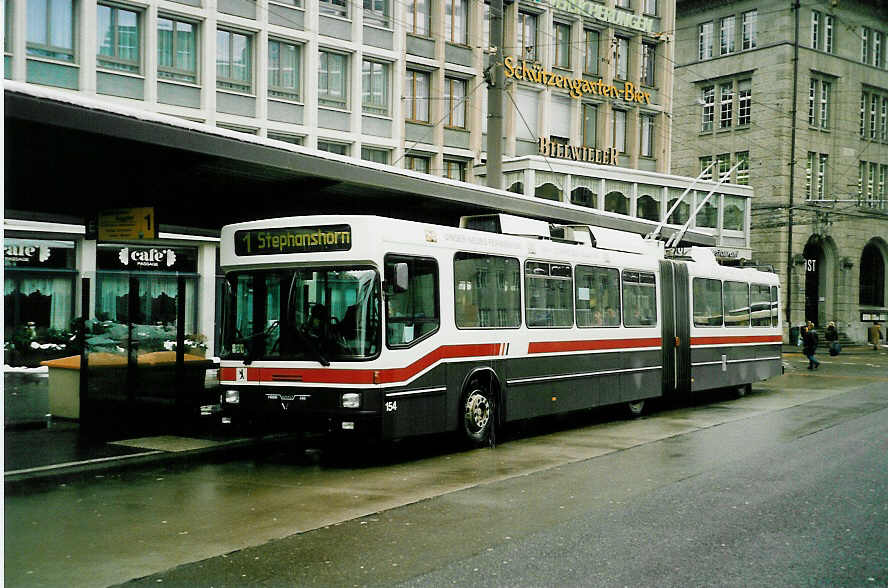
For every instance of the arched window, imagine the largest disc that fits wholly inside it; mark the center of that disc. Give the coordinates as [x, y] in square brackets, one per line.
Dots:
[582, 196]
[708, 215]
[517, 188]
[548, 186]
[616, 202]
[872, 276]
[680, 215]
[648, 208]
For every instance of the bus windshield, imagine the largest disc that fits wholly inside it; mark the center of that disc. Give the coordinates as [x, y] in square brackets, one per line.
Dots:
[315, 314]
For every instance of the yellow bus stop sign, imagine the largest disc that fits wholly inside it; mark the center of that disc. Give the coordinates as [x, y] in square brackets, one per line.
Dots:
[127, 224]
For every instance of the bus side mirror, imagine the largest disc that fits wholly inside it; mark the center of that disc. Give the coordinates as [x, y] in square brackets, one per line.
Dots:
[397, 278]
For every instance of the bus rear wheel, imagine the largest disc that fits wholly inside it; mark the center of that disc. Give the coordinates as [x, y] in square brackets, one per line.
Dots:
[477, 414]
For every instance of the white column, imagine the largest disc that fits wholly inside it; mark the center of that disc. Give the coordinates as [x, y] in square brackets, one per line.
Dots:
[85, 47]
[206, 293]
[149, 22]
[85, 261]
[208, 63]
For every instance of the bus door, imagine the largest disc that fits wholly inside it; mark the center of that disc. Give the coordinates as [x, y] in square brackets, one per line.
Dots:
[676, 328]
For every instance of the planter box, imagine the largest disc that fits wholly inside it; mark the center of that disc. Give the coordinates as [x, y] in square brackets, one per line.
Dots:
[154, 387]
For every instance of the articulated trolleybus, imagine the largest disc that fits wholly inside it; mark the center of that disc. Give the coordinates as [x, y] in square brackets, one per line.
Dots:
[393, 328]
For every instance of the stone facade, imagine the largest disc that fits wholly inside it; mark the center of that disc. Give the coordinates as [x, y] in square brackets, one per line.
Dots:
[828, 190]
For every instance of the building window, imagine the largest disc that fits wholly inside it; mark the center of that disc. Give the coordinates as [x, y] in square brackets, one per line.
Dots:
[815, 175]
[704, 36]
[622, 49]
[590, 63]
[884, 120]
[648, 64]
[726, 105]
[708, 99]
[234, 61]
[286, 138]
[51, 29]
[828, 31]
[527, 35]
[818, 103]
[706, 162]
[456, 104]
[117, 36]
[590, 125]
[622, 3]
[333, 147]
[877, 49]
[418, 163]
[562, 45]
[374, 84]
[416, 99]
[375, 154]
[455, 169]
[284, 70]
[647, 135]
[723, 163]
[864, 45]
[376, 12]
[874, 109]
[726, 35]
[332, 79]
[418, 17]
[619, 131]
[742, 157]
[456, 21]
[750, 26]
[815, 29]
[7, 28]
[744, 102]
[176, 50]
[650, 7]
[333, 7]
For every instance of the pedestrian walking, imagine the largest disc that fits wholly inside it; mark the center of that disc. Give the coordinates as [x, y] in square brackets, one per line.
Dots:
[875, 335]
[809, 342]
[832, 338]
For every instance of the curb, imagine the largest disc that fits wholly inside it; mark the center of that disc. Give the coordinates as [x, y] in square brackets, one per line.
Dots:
[18, 480]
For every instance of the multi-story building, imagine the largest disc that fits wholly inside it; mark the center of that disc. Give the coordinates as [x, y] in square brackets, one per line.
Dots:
[392, 82]
[792, 99]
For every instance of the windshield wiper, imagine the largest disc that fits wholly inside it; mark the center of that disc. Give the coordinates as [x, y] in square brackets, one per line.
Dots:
[250, 341]
[313, 346]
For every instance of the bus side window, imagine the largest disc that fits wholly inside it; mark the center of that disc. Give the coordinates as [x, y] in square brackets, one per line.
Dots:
[707, 302]
[411, 312]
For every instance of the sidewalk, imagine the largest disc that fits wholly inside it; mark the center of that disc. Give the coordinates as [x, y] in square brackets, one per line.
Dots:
[38, 447]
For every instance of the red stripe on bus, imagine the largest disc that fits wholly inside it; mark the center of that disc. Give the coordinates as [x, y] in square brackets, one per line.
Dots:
[591, 345]
[365, 376]
[728, 340]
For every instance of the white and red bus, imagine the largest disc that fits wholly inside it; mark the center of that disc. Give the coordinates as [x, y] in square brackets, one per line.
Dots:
[393, 328]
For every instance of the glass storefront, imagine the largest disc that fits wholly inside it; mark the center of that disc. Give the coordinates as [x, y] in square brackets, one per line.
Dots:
[38, 298]
[150, 275]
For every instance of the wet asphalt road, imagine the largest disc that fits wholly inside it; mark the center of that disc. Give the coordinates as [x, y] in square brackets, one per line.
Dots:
[787, 486]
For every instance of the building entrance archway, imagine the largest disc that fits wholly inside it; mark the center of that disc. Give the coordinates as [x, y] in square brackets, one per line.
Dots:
[819, 265]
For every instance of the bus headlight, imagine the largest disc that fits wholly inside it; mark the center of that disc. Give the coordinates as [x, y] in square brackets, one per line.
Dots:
[230, 397]
[351, 400]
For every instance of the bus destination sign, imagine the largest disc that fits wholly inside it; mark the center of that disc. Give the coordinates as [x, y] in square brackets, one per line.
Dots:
[282, 240]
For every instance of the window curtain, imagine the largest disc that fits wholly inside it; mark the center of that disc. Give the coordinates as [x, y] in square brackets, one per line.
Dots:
[60, 290]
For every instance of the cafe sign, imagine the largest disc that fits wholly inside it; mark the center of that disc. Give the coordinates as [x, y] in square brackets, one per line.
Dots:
[577, 87]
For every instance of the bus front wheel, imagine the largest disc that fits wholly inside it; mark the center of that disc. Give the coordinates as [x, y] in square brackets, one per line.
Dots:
[635, 408]
[477, 414]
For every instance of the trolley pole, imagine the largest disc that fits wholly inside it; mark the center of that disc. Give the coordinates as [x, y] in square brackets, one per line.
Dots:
[792, 156]
[496, 81]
